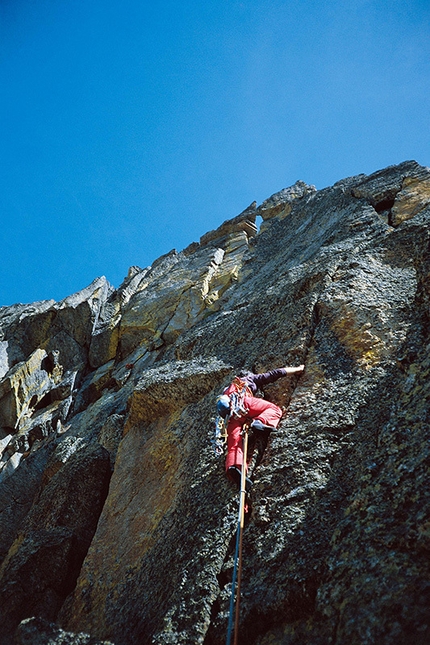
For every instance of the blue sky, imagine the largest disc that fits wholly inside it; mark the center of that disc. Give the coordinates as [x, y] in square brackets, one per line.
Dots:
[130, 128]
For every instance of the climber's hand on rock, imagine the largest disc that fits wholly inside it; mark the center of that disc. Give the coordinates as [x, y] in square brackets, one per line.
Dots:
[295, 370]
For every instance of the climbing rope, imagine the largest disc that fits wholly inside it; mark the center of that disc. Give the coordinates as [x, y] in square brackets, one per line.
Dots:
[237, 570]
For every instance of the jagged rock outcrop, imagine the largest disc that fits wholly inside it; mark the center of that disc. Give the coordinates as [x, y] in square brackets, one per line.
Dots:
[117, 523]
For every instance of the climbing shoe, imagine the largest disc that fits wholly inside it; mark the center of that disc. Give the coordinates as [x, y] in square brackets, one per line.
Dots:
[235, 475]
[259, 426]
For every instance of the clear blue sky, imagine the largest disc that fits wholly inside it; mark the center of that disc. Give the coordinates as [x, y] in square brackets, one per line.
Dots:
[132, 127]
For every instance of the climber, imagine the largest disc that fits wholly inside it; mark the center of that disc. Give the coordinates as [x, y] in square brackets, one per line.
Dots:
[237, 404]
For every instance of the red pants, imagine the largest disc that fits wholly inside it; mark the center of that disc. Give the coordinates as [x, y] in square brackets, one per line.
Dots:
[267, 412]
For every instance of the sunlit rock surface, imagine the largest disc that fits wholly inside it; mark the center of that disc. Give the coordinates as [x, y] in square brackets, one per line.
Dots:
[116, 521]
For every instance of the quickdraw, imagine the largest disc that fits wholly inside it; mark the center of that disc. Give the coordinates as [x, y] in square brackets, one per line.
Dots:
[220, 438]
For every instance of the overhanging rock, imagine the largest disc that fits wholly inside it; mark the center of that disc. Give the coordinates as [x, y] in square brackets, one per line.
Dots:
[170, 387]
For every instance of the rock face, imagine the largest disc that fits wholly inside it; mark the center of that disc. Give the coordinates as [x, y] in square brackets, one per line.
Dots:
[117, 523]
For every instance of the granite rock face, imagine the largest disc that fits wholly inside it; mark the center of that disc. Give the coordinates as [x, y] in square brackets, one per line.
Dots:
[117, 523]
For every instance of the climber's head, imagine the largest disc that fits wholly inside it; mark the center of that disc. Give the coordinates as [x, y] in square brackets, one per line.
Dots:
[223, 405]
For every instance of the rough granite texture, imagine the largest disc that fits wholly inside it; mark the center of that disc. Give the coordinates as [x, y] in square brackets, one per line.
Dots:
[117, 523]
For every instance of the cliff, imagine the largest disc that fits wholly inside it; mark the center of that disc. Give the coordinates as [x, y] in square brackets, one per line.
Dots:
[116, 520]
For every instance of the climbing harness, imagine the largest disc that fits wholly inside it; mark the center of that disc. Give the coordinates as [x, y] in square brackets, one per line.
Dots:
[237, 410]
[237, 398]
[237, 570]
[237, 406]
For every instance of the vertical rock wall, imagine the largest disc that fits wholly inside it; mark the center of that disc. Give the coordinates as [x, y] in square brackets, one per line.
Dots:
[116, 519]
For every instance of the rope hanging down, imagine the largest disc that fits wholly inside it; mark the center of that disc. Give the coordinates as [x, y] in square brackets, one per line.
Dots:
[237, 570]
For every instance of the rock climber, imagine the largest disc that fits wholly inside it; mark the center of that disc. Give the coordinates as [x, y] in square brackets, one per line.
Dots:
[237, 404]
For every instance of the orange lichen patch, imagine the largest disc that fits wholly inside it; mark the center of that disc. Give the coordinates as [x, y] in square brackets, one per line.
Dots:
[414, 196]
[314, 375]
[12, 551]
[359, 341]
[313, 378]
[143, 489]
